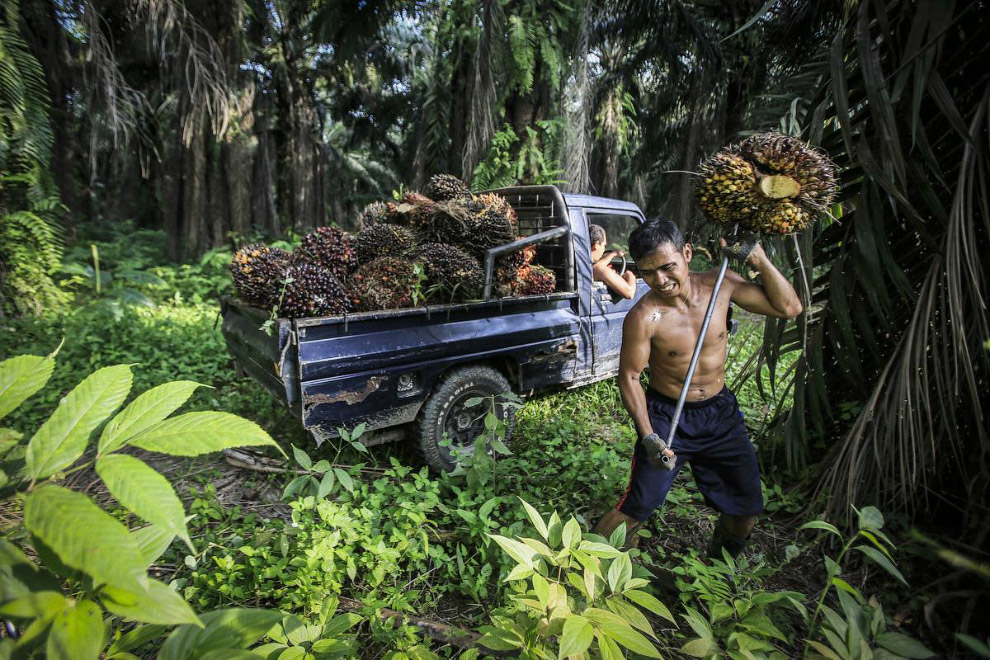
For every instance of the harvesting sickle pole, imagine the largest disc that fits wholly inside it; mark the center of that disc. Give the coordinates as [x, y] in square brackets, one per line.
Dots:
[769, 183]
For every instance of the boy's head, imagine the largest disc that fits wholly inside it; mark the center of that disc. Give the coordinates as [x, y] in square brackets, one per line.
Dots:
[598, 240]
[662, 256]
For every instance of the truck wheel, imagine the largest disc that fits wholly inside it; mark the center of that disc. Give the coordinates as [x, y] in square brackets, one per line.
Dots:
[445, 414]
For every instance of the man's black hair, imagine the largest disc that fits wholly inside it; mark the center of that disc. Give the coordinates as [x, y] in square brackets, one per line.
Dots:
[597, 233]
[652, 234]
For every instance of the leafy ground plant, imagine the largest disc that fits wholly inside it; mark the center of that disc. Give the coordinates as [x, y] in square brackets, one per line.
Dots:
[573, 595]
[88, 563]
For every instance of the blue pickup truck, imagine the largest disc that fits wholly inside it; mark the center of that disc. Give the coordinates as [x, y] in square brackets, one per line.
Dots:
[414, 369]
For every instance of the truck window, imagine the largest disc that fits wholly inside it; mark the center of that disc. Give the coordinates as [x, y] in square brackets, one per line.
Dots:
[617, 227]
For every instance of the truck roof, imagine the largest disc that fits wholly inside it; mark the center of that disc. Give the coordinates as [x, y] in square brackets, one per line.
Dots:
[593, 201]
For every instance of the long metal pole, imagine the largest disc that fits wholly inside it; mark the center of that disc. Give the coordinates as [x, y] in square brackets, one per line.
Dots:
[694, 357]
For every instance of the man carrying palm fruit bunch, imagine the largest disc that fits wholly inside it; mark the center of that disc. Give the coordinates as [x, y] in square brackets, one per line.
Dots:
[660, 332]
[768, 183]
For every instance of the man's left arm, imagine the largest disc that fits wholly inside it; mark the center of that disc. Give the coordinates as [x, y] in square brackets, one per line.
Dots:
[776, 297]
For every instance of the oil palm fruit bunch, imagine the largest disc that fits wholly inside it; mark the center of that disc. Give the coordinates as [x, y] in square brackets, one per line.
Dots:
[330, 248]
[313, 291]
[413, 210]
[448, 223]
[373, 214]
[500, 204]
[385, 283]
[452, 275]
[383, 240]
[536, 280]
[507, 269]
[770, 182]
[257, 271]
[445, 187]
[489, 229]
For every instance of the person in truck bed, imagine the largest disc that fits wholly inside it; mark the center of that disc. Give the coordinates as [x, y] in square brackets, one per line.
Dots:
[660, 332]
[602, 271]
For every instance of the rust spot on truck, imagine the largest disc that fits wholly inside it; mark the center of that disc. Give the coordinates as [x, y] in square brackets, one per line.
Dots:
[350, 398]
[565, 351]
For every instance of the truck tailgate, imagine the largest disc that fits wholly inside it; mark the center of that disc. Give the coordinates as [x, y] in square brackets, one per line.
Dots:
[267, 358]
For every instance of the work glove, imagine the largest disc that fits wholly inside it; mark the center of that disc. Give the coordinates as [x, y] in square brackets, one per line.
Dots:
[654, 452]
[741, 245]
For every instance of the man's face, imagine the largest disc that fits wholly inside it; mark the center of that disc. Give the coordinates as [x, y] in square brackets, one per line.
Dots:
[665, 269]
[597, 251]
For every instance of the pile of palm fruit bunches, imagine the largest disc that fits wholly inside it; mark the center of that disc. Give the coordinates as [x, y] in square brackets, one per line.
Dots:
[769, 183]
[422, 249]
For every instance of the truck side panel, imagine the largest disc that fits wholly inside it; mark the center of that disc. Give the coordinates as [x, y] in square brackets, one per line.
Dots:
[380, 371]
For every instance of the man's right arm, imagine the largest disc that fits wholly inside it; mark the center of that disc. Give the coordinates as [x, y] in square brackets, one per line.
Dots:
[633, 358]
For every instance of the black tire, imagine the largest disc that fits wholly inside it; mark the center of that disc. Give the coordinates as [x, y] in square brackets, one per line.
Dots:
[445, 412]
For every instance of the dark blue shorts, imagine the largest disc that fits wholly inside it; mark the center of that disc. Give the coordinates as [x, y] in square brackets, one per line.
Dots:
[712, 437]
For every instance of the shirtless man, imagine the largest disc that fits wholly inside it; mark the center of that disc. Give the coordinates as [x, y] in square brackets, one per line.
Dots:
[660, 331]
[623, 285]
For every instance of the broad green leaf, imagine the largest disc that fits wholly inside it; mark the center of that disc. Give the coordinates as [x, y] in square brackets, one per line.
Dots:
[619, 572]
[135, 639]
[344, 479]
[571, 534]
[599, 549]
[699, 648]
[33, 605]
[9, 438]
[980, 648]
[883, 560]
[62, 438]
[302, 458]
[235, 654]
[20, 378]
[903, 645]
[326, 485]
[341, 624]
[576, 637]
[196, 433]
[294, 486]
[536, 519]
[609, 649]
[521, 552]
[520, 572]
[84, 537]
[76, 633]
[144, 492]
[144, 412]
[871, 519]
[225, 629]
[631, 615]
[498, 639]
[618, 536]
[555, 528]
[826, 652]
[158, 604]
[624, 635]
[650, 603]
[821, 524]
[152, 541]
[698, 624]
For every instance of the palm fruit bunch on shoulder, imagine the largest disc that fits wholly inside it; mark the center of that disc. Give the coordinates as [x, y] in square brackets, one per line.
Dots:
[373, 214]
[489, 228]
[770, 183]
[330, 248]
[537, 281]
[313, 290]
[445, 187]
[448, 223]
[383, 240]
[385, 283]
[257, 271]
[452, 275]
[413, 210]
[500, 204]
